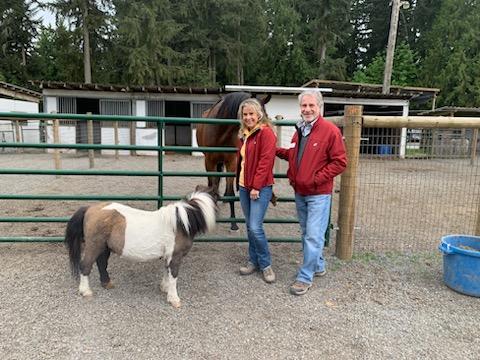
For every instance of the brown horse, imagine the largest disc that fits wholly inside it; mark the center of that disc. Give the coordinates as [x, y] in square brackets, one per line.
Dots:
[223, 135]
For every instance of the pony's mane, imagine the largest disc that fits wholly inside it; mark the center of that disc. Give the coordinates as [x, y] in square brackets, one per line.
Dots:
[196, 214]
[230, 103]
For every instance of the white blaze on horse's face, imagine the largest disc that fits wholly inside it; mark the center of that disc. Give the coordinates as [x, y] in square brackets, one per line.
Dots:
[250, 117]
[309, 108]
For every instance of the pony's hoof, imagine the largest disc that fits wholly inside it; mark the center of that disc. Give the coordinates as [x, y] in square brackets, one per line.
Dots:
[234, 229]
[109, 285]
[176, 304]
[87, 294]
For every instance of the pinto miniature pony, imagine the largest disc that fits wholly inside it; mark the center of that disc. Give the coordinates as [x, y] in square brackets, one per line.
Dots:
[138, 235]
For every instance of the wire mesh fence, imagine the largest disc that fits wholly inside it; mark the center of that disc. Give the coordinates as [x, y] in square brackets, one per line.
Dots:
[408, 199]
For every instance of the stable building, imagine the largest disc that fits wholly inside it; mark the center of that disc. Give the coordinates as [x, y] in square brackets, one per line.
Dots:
[14, 98]
[176, 101]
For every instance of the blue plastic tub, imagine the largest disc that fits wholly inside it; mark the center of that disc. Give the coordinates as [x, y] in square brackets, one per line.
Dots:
[461, 263]
[385, 150]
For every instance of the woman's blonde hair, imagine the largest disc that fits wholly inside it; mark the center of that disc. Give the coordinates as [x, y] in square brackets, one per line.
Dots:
[263, 118]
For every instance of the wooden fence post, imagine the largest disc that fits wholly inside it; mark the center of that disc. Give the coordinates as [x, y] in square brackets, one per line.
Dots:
[18, 135]
[56, 140]
[133, 136]
[473, 154]
[352, 131]
[91, 156]
[115, 136]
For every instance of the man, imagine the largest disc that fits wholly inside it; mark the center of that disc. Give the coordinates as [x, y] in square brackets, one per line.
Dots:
[315, 156]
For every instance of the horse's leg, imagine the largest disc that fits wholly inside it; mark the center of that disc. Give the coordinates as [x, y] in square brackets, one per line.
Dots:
[182, 247]
[230, 165]
[102, 264]
[164, 283]
[93, 248]
[85, 268]
[211, 165]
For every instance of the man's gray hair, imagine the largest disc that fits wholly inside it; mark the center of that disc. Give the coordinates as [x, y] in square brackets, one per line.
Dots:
[316, 94]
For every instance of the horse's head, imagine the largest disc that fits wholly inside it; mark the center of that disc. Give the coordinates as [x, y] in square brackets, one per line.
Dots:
[210, 190]
[264, 99]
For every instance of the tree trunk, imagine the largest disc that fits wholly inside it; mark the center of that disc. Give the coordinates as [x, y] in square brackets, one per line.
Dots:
[322, 53]
[86, 46]
[212, 67]
[24, 56]
[169, 72]
[240, 79]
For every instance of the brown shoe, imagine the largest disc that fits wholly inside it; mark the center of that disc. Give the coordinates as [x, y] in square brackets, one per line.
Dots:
[269, 275]
[299, 288]
[247, 270]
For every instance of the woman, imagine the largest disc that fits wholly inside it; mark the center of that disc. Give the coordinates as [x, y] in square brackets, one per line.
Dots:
[255, 160]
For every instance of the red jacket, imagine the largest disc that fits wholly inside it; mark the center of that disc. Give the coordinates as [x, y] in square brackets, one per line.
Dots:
[323, 158]
[259, 158]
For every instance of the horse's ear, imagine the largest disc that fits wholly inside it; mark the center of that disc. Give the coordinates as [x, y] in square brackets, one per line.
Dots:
[265, 99]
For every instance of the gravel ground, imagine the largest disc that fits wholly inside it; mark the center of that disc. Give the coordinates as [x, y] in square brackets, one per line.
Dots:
[373, 307]
[391, 306]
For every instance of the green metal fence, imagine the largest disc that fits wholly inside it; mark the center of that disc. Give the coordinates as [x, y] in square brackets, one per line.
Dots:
[160, 173]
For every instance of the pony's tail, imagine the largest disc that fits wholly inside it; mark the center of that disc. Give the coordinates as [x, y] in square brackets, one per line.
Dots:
[74, 238]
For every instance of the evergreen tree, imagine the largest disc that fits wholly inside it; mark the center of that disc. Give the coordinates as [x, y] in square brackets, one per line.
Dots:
[17, 33]
[453, 54]
[325, 28]
[145, 33]
[404, 70]
[88, 17]
[58, 56]
[283, 59]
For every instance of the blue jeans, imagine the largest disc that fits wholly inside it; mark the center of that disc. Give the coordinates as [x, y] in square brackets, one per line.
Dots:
[313, 212]
[254, 212]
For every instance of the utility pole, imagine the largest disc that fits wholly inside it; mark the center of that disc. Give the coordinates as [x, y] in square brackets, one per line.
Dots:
[392, 38]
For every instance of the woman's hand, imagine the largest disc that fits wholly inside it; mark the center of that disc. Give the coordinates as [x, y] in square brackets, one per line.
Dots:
[254, 194]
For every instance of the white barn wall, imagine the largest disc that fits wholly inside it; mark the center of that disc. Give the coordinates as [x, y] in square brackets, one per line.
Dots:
[286, 107]
[50, 104]
[29, 131]
[8, 105]
[108, 137]
[144, 136]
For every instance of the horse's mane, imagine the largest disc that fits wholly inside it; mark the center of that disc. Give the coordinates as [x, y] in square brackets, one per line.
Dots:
[230, 103]
[196, 214]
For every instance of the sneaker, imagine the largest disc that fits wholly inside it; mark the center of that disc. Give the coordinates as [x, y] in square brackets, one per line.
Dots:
[299, 288]
[320, 273]
[269, 275]
[247, 270]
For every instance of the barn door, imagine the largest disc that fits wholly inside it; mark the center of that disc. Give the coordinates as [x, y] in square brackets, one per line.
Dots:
[126, 129]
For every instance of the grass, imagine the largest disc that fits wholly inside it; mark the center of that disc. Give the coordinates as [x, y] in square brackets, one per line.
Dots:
[417, 153]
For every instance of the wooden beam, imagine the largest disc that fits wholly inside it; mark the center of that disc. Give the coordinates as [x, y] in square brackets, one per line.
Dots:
[18, 95]
[416, 122]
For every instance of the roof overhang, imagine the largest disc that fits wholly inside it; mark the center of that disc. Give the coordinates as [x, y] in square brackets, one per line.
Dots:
[272, 89]
[19, 93]
[453, 111]
[60, 85]
[352, 89]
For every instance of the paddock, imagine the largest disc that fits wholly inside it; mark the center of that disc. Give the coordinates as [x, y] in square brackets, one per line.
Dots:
[388, 302]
